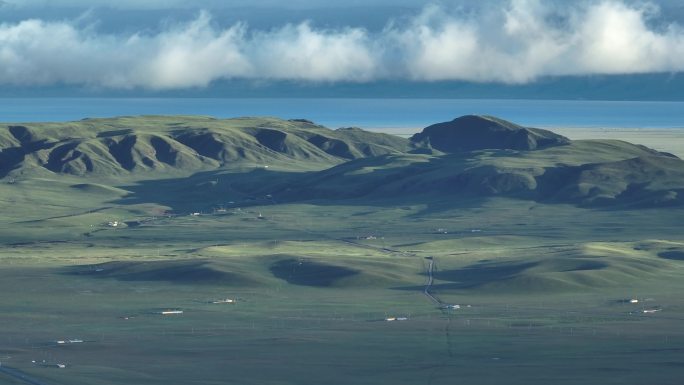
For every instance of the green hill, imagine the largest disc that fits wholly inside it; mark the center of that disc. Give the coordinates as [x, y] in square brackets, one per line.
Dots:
[166, 144]
[297, 160]
[598, 173]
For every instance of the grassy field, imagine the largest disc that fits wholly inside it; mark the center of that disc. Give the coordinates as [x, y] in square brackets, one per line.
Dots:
[541, 289]
[105, 227]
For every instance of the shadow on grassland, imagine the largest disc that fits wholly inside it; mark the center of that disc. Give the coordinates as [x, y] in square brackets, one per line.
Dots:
[677, 255]
[340, 185]
[308, 273]
[174, 271]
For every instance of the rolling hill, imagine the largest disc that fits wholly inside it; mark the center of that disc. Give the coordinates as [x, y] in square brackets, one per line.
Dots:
[297, 160]
[158, 144]
[485, 156]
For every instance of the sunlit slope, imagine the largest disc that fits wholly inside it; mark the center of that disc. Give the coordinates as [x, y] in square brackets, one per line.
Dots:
[514, 264]
[159, 144]
[201, 159]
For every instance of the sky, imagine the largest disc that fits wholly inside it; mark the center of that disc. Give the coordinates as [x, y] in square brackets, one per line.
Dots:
[174, 44]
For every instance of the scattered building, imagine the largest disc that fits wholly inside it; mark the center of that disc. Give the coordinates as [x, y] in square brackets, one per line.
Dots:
[171, 312]
[48, 365]
[114, 224]
[369, 237]
[227, 300]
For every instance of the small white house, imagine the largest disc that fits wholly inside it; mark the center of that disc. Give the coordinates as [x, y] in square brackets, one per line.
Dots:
[227, 300]
[171, 312]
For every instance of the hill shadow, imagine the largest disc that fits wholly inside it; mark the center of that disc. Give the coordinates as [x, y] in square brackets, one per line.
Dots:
[675, 255]
[445, 181]
[206, 190]
[386, 181]
[308, 273]
[482, 273]
[225, 188]
[174, 271]
[474, 276]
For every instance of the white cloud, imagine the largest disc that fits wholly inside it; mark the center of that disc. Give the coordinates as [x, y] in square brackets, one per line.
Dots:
[516, 43]
[302, 53]
[614, 38]
[187, 56]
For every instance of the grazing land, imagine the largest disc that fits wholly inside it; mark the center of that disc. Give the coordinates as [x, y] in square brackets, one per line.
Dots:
[566, 257]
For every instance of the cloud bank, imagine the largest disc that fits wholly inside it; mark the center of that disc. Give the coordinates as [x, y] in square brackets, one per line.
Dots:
[516, 43]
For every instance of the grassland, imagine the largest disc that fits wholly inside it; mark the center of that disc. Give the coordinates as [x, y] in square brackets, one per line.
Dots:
[543, 287]
[544, 284]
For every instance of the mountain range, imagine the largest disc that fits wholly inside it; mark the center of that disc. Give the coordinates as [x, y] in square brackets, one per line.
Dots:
[298, 160]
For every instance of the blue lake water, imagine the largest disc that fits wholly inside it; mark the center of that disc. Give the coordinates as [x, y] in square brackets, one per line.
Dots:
[369, 113]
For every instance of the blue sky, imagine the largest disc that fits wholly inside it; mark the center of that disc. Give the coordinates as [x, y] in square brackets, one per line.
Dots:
[174, 44]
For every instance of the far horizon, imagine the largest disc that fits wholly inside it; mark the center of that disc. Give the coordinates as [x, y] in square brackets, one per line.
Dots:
[376, 114]
[512, 49]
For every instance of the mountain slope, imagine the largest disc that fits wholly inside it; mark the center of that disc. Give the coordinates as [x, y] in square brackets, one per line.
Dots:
[139, 145]
[586, 173]
[209, 160]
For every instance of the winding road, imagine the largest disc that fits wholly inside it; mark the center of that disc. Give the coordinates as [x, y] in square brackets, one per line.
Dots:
[430, 280]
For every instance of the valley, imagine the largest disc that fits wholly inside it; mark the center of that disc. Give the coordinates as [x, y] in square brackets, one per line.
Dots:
[564, 256]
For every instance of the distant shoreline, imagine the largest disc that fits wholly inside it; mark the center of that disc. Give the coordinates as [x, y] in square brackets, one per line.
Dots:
[383, 114]
[662, 139]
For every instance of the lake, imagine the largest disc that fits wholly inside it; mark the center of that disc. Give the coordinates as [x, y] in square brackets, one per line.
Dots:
[367, 113]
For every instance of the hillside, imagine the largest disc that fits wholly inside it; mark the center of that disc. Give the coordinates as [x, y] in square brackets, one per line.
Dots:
[165, 144]
[503, 159]
[130, 160]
